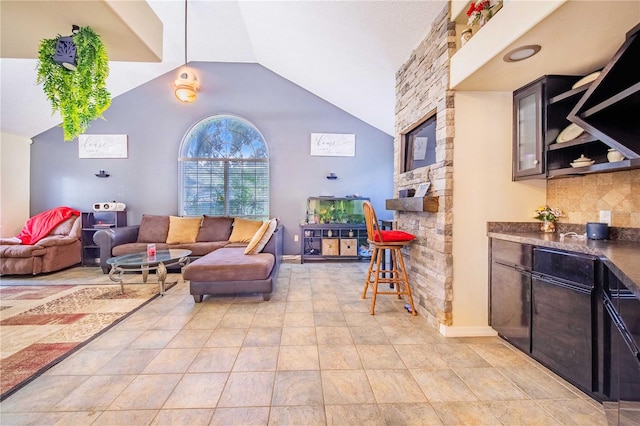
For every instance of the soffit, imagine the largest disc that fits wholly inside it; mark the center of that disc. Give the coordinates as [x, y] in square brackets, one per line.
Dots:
[577, 37]
[130, 30]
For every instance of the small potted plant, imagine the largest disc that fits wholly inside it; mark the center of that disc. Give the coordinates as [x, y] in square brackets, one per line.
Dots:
[548, 216]
[79, 95]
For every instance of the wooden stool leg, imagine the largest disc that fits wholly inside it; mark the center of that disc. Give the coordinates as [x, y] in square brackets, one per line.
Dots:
[368, 280]
[406, 283]
[376, 281]
[395, 273]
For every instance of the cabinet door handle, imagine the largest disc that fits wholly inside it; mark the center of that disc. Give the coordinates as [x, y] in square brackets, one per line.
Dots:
[535, 162]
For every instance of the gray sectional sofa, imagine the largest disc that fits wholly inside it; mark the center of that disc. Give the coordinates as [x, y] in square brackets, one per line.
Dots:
[218, 265]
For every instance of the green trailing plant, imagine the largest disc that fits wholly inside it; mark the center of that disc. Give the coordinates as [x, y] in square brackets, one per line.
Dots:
[81, 95]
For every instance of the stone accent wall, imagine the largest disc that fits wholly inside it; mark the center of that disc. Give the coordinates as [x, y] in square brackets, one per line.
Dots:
[422, 87]
[582, 198]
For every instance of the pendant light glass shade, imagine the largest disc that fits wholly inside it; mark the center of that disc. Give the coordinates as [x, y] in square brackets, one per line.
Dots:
[186, 86]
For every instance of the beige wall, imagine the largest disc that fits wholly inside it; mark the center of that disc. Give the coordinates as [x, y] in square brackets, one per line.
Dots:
[14, 183]
[582, 198]
[483, 191]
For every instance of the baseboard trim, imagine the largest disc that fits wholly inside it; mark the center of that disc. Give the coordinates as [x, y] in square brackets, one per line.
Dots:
[450, 331]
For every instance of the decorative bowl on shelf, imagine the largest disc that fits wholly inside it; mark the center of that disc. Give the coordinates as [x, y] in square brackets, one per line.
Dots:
[582, 161]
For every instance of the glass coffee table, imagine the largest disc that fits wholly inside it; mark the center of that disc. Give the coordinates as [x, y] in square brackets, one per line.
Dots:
[141, 262]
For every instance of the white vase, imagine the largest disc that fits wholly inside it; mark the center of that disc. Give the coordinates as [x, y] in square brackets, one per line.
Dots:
[613, 155]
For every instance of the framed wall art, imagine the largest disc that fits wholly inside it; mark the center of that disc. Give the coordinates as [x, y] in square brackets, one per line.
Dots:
[102, 146]
[333, 144]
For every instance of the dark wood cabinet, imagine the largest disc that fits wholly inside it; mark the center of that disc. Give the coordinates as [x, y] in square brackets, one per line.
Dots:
[561, 155]
[92, 222]
[607, 109]
[535, 125]
[621, 363]
[544, 302]
[510, 292]
[334, 241]
[528, 153]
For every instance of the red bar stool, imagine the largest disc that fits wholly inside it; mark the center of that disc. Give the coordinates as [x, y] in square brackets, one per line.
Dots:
[381, 240]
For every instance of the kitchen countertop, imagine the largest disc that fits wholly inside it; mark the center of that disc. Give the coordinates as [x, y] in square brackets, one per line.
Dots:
[621, 257]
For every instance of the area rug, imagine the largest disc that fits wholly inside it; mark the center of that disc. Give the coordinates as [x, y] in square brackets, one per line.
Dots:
[69, 317]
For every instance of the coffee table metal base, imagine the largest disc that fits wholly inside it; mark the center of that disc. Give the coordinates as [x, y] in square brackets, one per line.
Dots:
[117, 271]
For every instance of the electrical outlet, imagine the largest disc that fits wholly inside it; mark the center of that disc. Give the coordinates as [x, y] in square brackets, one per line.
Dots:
[295, 238]
[605, 216]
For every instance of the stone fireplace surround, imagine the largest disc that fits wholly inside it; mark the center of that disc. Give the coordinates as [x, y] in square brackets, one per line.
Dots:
[422, 87]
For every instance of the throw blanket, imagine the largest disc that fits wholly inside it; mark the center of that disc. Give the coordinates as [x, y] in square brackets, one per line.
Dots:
[39, 226]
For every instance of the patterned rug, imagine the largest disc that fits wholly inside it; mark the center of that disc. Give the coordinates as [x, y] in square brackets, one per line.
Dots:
[42, 325]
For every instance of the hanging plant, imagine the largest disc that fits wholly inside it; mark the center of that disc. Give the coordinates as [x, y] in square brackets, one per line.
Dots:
[81, 95]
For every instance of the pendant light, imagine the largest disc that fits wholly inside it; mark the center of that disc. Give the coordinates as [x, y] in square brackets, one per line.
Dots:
[187, 82]
[66, 51]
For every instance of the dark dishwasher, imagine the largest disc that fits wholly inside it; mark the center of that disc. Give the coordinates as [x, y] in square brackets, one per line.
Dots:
[563, 314]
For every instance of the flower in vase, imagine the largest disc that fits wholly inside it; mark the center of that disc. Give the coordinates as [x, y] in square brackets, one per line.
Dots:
[475, 11]
[547, 214]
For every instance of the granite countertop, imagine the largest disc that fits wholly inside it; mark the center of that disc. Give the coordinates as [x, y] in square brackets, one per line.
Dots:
[622, 257]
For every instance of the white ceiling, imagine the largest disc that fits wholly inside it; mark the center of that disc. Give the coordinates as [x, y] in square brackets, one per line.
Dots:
[346, 52]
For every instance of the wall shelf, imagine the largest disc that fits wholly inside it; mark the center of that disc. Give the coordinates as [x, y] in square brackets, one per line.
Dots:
[413, 204]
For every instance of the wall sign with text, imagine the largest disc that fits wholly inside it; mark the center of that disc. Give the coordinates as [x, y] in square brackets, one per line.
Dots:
[333, 144]
[102, 146]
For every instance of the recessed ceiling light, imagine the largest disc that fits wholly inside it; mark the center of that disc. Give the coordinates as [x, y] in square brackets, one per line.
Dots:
[521, 53]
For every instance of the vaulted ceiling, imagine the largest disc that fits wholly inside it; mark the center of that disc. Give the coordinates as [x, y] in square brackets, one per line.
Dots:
[346, 52]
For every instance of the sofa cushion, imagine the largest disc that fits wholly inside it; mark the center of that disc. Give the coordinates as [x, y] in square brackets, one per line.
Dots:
[261, 237]
[64, 228]
[215, 228]
[244, 230]
[16, 251]
[153, 229]
[201, 248]
[230, 264]
[183, 229]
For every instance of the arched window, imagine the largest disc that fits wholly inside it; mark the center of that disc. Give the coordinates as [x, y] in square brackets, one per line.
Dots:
[223, 169]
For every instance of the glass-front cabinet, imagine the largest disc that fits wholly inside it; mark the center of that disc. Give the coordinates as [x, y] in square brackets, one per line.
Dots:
[334, 228]
[528, 150]
[537, 123]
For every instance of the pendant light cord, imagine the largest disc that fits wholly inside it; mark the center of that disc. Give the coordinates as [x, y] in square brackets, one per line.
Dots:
[185, 34]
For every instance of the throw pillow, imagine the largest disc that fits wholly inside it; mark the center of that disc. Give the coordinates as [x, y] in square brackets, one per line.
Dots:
[64, 228]
[244, 230]
[215, 228]
[153, 229]
[394, 236]
[183, 229]
[261, 237]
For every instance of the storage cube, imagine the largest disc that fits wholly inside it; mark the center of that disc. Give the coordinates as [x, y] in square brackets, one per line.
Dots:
[348, 247]
[330, 247]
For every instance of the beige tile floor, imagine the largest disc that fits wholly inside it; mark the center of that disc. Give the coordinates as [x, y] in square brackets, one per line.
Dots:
[311, 356]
